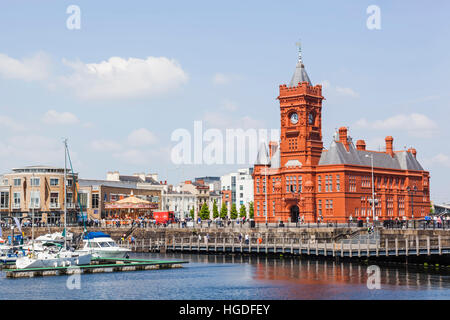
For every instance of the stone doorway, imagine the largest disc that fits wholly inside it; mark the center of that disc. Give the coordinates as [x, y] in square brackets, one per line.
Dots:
[295, 212]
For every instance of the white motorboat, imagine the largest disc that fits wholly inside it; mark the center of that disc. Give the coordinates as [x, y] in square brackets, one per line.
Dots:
[101, 245]
[53, 256]
[39, 242]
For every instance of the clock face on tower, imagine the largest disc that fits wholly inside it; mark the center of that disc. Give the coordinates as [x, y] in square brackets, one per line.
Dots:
[294, 118]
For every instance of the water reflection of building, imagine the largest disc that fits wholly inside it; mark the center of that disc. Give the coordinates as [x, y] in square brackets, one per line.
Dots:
[309, 279]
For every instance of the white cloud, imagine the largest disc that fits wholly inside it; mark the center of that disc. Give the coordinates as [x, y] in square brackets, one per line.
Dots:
[11, 124]
[220, 78]
[145, 157]
[124, 78]
[34, 68]
[55, 117]
[441, 160]
[346, 92]
[30, 150]
[105, 145]
[415, 124]
[141, 137]
[342, 91]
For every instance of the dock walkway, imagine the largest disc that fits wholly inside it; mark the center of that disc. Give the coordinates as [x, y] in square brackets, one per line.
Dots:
[96, 266]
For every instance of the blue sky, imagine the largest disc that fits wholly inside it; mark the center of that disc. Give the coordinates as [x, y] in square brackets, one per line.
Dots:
[221, 63]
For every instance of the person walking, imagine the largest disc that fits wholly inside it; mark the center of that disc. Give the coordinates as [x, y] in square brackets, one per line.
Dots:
[246, 238]
[240, 237]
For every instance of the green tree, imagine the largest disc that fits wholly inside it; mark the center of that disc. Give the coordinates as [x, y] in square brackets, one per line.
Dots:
[233, 212]
[242, 211]
[251, 211]
[191, 213]
[215, 210]
[204, 212]
[223, 211]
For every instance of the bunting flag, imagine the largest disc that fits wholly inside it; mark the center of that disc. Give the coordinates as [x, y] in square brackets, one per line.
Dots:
[18, 224]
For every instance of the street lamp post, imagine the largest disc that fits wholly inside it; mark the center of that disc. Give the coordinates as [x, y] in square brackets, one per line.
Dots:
[265, 189]
[411, 192]
[373, 189]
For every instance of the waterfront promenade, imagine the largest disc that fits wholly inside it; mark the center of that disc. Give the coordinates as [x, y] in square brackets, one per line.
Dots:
[316, 240]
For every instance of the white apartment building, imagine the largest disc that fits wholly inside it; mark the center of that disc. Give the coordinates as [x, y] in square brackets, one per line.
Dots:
[237, 188]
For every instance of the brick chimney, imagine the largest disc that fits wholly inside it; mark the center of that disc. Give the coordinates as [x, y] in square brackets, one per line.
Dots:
[360, 145]
[389, 145]
[187, 182]
[343, 136]
[413, 151]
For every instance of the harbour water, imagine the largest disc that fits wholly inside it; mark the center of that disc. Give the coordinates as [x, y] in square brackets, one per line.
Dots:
[236, 277]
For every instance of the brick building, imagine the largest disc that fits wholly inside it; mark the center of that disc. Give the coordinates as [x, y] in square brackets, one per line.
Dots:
[299, 178]
[39, 189]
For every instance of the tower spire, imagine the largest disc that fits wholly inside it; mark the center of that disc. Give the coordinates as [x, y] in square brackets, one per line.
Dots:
[299, 46]
[300, 74]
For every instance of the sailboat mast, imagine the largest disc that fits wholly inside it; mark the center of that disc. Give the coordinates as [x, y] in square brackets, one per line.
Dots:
[32, 214]
[65, 193]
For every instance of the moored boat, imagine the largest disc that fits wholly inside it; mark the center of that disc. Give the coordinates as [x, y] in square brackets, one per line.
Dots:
[101, 245]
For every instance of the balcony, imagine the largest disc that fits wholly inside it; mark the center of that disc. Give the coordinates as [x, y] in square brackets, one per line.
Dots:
[54, 205]
[70, 205]
[16, 206]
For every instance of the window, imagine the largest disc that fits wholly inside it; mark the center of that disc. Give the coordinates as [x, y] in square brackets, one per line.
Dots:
[319, 184]
[241, 187]
[69, 199]
[35, 199]
[83, 200]
[17, 182]
[35, 182]
[273, 208]
[264, 208]
[338, 183]
[352, 183]
[69, 182]
[95, 200]
[16, 197]
[299, 183]
[257, 209]
[54, 200]
[4, 200]
[54, 181]
[320, 207]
